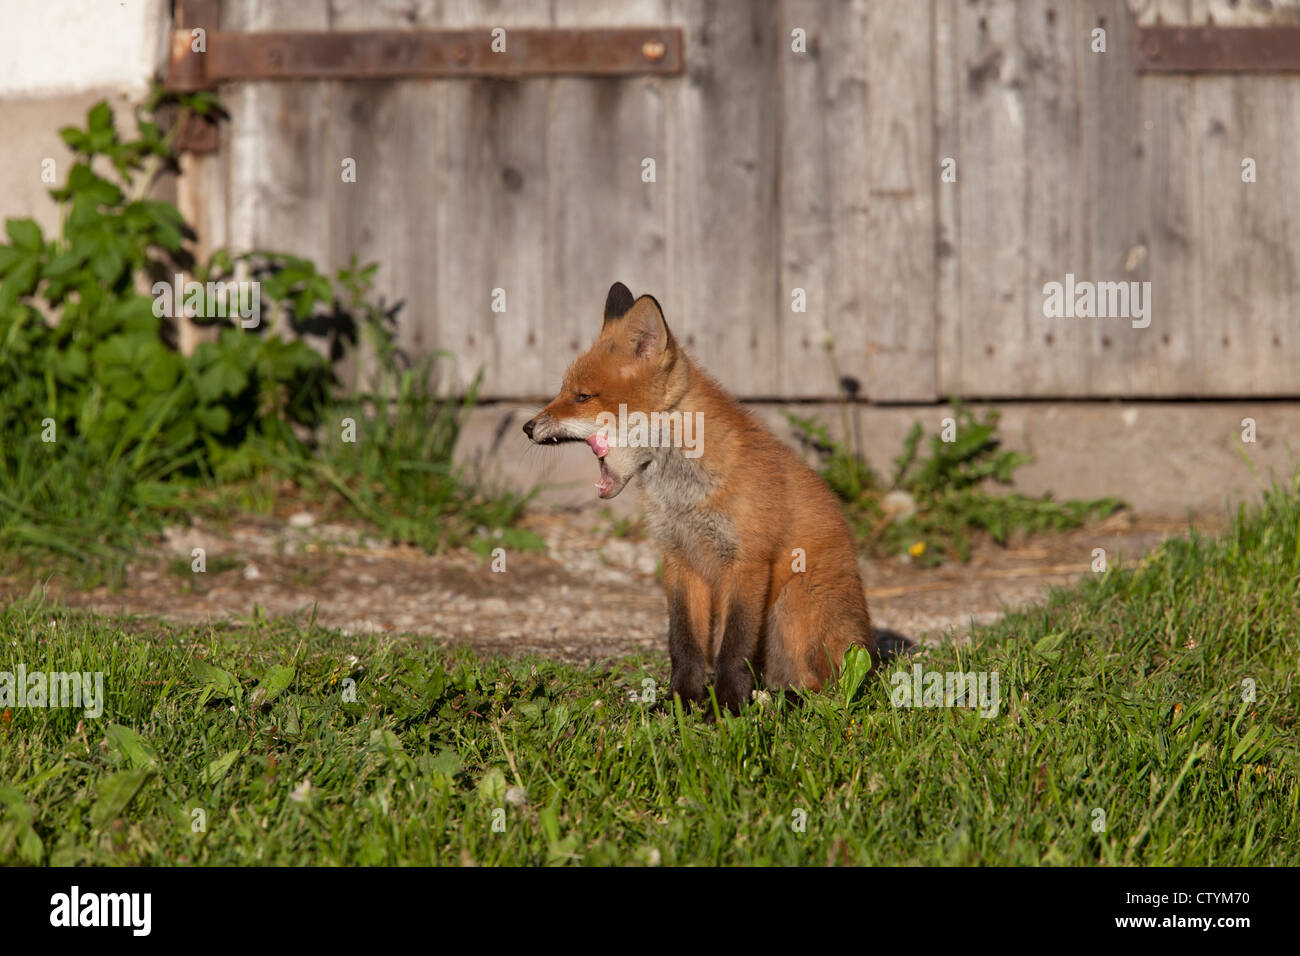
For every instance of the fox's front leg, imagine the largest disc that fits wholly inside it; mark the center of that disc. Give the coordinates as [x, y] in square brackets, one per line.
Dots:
[688, 632]
[747, 595]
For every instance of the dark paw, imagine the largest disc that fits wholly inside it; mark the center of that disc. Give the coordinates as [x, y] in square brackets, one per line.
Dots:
[733, 691]
[691, 692]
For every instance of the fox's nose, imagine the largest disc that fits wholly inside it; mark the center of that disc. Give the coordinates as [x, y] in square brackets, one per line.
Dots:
[528, 428]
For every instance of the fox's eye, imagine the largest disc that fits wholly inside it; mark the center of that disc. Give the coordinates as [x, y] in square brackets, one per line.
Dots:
[583, 397]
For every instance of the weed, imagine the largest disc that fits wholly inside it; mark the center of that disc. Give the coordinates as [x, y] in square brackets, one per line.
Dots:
[933, 504]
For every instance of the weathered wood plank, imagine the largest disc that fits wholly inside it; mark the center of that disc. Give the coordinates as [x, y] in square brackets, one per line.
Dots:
[490, 179]
[1169, 189]
[278, 174]
[1110, 102]
[825, 217]
[368, 215]
[1248, 263]
[1170, 247]
[605, 223]
[722, 173]
[806, 235]
[948, 303]
[1056, 64]
[899, 145]
[850, 70]
[1247, 266]
[996, 292]
[201, 199]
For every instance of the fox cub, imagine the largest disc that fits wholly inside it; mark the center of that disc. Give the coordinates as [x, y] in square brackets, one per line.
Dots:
[759, 565]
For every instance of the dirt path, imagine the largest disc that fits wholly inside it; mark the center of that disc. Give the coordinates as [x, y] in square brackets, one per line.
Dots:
[591, 595]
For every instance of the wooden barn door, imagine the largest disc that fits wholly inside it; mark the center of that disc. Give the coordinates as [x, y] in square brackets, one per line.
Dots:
[1080, 162]
[911, 172]
[781, 164]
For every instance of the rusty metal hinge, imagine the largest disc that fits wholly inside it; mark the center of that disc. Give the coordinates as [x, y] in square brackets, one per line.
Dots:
[1216, 49]
[399, 54]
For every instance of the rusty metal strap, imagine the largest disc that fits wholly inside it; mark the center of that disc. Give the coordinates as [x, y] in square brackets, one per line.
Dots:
[1214, 49]
[395, 54]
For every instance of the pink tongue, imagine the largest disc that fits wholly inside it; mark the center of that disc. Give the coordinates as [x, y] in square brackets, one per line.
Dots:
[599, 444]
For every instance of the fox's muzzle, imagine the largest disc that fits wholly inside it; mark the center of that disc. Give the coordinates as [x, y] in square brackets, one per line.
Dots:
[545, 429]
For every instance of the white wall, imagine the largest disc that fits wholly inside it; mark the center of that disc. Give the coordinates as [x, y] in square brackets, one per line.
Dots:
[57, 58]
[59, 47]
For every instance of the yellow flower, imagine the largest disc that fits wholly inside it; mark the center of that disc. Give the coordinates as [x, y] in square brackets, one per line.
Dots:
[917, 549]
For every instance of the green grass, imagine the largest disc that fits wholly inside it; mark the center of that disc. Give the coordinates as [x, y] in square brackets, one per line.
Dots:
[1123, 694]
[396, 471]
[66, 510]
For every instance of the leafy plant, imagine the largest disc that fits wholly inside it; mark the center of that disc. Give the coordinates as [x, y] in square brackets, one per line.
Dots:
[933, 504]
[106, 370]
[106, 426]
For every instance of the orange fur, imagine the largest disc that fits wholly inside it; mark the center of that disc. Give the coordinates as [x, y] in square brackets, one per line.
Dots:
[731, 521]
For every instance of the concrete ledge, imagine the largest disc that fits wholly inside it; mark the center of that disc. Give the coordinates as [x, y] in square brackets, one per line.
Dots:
[1161, 457]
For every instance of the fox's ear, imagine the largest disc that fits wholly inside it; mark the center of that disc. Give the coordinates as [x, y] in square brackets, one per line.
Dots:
[642, 333]
[617, 302]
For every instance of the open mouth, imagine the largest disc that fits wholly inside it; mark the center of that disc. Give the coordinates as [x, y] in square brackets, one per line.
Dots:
[607, 481]
[600, 448]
